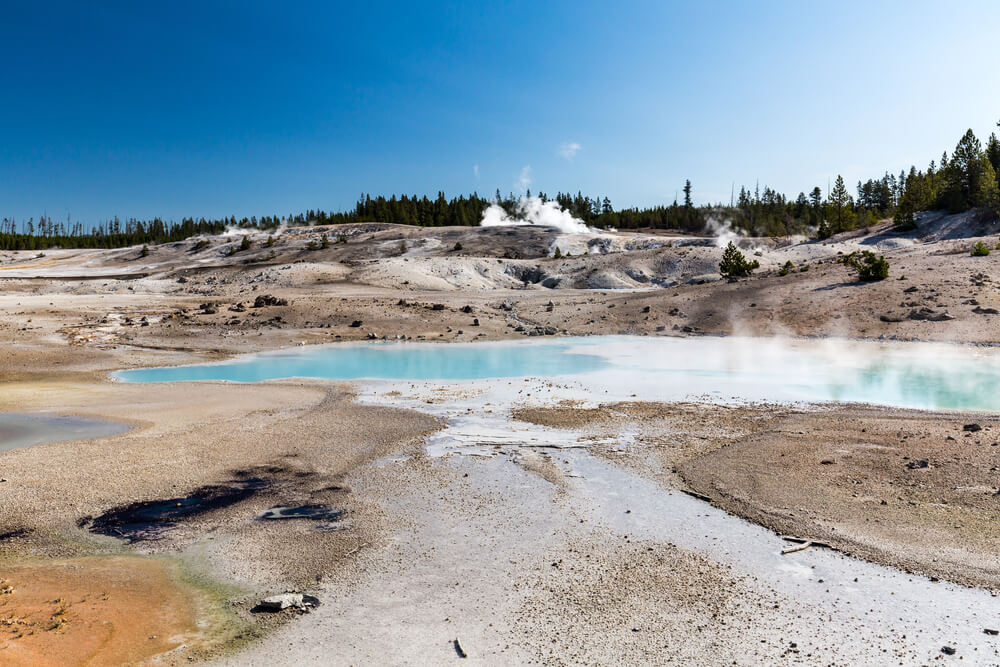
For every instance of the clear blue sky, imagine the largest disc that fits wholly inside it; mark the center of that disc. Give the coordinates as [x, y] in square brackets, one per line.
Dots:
[248, 108]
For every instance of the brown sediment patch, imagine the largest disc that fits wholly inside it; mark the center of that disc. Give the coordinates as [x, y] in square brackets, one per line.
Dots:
[909, 489]
[93, 611]
[562, 416]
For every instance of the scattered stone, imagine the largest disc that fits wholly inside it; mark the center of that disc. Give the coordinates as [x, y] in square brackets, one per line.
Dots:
[284, 601]
[972, 428]
[929, 315]
[891, 318]
[947, 650]
[268, 300]
[827, 462]
[918, 465]
[437, 306]
[355, 324]
[466, 309]
[979, 310]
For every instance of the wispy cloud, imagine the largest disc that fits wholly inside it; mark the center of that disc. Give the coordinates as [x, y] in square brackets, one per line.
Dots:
[524, 180]
[475, 170]
[569, 149]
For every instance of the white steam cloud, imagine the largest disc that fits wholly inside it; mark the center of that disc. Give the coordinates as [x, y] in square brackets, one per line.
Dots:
[723, 231]
[475, 170]
[534, 211]
[569, 149]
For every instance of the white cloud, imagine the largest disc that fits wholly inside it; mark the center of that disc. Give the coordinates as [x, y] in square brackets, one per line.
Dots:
[569, 149]
[475, 170]
[524, 180]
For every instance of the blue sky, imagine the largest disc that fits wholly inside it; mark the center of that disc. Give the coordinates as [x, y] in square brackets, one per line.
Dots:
[247, 108]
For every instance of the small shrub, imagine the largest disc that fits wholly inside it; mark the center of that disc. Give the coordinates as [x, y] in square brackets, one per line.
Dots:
[270, 242]
[458, 246]
[144, 252]
[734, 264]
[312, 245]
[200, 245]
[245, 243]
[342, 239]
[903, 220]
[402, 247]
[803, 269]
[324, 241]
[980, 250]
[870, 267]
[786, 268]
[557, 254]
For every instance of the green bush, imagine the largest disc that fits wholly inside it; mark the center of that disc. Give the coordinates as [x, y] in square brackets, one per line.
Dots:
[980, 250]
[324, 241]
[734, 264]
[786, 269]
[870, 267]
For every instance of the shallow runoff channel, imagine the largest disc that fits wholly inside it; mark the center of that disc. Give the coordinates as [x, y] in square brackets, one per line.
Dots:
[878, 614]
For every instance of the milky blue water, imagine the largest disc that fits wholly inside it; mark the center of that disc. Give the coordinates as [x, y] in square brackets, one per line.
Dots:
[911, 375]
[394, 361]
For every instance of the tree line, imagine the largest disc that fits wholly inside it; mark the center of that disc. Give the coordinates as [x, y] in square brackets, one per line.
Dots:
[965, 180]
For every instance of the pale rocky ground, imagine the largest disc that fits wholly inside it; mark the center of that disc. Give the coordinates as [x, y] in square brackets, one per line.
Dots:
[460, 548]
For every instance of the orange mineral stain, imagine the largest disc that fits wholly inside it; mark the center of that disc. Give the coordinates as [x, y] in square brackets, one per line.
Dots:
[92, 611]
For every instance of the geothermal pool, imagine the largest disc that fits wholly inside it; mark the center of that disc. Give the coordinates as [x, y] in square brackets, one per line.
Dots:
[906, 375]
[24, 430]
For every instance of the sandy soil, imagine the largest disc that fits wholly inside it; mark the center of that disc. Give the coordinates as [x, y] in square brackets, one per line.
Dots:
[71, 316]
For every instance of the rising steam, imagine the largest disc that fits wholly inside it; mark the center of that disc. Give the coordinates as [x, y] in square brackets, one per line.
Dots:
[534, 211]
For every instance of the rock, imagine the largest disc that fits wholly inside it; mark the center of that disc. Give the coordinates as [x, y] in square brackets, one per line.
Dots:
[910, 290]
[182, 280]
[979, 310]
[355, 324]
[475, 322]
[827, 462]
[891, 318]
[372, 336]
[645, 309]
[947, 650]
[990, 631]
[972, 428]
[466, 309]
[550, 331]
[929, 315]
[267, 300]
[437, 306]
[918, 465]
[287, 601]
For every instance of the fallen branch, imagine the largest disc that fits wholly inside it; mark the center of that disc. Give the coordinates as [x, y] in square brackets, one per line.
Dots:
[799, 547]
[693, 494]
[803, 544]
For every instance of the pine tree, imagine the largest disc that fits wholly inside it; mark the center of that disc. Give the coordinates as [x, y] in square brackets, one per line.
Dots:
[734, 264]
[840, 204]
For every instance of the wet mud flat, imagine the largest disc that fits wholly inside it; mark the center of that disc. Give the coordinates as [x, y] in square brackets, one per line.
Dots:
[151, 520]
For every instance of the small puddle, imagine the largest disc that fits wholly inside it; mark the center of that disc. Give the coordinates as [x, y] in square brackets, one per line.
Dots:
[25, 430]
